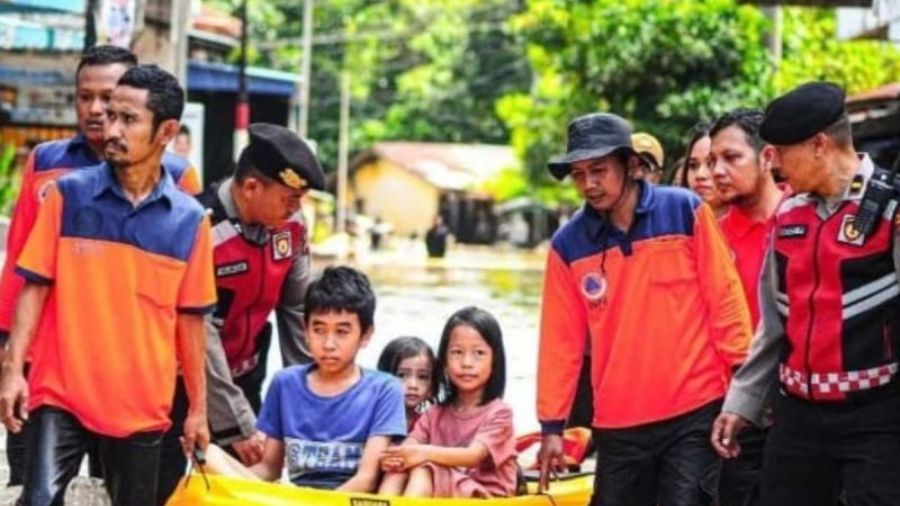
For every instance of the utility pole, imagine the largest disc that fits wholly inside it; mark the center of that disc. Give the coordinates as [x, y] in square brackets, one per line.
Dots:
[306, 66]
[343, 153]
[178, 38]
[242, 106]
[773, 37]
[90, 24]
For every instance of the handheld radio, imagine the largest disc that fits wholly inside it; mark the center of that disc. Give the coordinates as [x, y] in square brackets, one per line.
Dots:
[881, 188]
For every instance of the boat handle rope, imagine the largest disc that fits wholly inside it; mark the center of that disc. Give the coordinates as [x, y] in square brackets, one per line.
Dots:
[198, 460]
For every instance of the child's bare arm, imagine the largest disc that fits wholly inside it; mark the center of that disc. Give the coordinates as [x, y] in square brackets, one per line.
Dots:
[417, 454]
[366, 477]
[269, 468]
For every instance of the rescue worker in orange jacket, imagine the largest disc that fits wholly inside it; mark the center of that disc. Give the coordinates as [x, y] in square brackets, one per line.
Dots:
[658, 376]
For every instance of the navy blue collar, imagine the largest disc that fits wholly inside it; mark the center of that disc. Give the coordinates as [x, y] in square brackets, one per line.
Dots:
[597, 223]
[165, 188]
[80, 142]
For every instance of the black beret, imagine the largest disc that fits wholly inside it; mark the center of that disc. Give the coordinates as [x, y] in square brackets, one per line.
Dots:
[802, 112]
[283, 156]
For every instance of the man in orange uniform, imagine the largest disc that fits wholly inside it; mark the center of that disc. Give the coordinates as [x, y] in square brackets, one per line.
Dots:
[118, 273]
[98, 71]
[658, 377]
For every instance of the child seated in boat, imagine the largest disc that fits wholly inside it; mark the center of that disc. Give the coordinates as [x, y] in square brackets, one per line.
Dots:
[464, 446]
[411, 360]
[329, 420]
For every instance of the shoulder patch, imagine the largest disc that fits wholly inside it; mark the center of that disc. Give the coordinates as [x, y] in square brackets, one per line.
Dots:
[848, 233]
[44, 189]
[282, 246]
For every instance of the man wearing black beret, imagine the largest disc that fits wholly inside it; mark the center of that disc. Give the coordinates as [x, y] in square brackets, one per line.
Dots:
[262, 263]
[830, 330]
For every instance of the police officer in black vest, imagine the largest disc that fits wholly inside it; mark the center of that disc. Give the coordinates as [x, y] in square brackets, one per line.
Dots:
[829, 339]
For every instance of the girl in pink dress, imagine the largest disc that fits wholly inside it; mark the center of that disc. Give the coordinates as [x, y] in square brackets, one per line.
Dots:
[411, 360]
[464, 446]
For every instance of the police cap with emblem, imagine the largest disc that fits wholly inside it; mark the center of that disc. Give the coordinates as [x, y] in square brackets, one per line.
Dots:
[802, 112]
[282, 156]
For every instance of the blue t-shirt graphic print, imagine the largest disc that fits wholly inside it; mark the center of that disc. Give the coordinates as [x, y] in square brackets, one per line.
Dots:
[324, 437]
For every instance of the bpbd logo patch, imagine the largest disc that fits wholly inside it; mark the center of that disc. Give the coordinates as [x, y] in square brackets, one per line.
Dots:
[593, 287]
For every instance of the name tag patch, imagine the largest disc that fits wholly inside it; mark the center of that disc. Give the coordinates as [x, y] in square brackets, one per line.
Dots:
[792, 231]
[231, 269]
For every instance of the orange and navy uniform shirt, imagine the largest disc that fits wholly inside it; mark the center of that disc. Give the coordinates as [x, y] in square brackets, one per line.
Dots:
[749, 242]
[119, 276]
[662, 304]
[45, 164]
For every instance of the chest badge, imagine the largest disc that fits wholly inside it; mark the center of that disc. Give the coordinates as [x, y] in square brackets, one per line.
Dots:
[281, 245]
[593, 287]
[848, 233]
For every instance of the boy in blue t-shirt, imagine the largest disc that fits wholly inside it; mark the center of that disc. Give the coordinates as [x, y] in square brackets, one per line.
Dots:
[330, 420]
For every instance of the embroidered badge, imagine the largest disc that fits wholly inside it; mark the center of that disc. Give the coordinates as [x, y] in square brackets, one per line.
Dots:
[44, 190]
[791, 231]
[225, 270]
[292, 179]
[593, 286]
[281, 245]
[848, 233]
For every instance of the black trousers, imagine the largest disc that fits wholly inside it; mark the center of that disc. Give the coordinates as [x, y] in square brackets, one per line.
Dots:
[817, 452]
[56, 444]
[739, 484]
[173, 463]
[667, 463]
[16, 447]
[582, 413]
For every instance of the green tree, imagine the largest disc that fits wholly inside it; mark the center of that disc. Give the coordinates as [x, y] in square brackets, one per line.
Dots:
[428, 70]
[664, 64]
[811, 51]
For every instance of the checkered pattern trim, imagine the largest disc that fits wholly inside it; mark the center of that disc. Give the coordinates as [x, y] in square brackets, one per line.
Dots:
[834, 384]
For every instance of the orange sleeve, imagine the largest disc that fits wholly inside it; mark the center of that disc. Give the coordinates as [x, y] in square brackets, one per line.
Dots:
[197, 293]
[37, 262]
[561, 350]
[23, 216]
[190, 181]
[729, 315]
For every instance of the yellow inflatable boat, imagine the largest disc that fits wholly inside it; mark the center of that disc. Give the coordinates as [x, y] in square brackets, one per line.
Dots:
[574, 490]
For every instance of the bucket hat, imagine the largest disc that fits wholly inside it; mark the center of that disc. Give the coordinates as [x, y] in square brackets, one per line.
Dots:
[591, 136]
